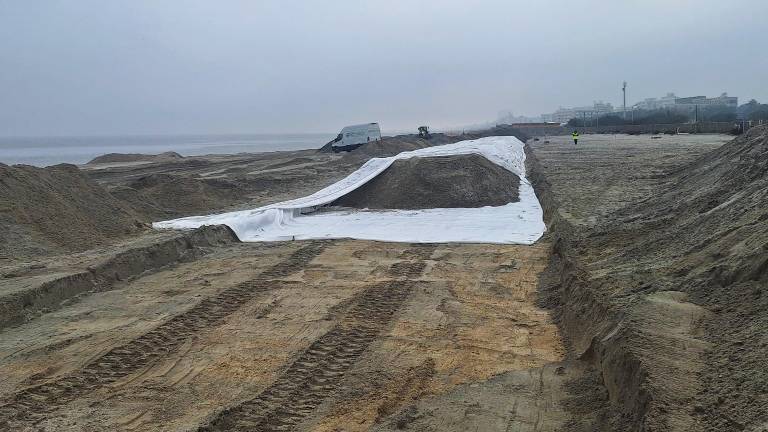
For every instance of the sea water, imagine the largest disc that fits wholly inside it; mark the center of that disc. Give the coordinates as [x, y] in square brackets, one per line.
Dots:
[44, 151]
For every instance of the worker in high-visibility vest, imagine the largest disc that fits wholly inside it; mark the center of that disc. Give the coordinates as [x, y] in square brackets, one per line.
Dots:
[575, 136]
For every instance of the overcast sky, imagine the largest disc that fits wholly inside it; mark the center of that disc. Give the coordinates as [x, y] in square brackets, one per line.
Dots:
[83, 67]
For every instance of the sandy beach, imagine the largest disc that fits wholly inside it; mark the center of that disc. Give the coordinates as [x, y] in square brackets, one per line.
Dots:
[118, 326]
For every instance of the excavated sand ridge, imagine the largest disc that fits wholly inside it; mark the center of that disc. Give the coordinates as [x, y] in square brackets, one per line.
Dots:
[58, 209]
[664, 292]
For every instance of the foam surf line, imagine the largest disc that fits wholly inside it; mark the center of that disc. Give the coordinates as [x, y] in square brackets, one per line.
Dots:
[519, 222]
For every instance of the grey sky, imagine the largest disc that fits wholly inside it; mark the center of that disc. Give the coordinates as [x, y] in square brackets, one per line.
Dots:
[225, 66]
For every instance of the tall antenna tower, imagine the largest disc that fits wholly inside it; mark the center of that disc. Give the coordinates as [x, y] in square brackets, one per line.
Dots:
[624, 91]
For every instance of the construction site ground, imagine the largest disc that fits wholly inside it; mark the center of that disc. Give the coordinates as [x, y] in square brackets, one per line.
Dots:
[335, 335]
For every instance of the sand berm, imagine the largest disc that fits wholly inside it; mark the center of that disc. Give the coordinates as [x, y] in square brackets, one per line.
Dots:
[667, 298]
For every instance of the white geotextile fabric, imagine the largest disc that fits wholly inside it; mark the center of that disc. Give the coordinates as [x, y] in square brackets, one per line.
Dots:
[520, 222]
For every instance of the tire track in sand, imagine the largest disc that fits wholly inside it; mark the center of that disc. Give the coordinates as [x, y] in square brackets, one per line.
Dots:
[319, 370]
[33, 403]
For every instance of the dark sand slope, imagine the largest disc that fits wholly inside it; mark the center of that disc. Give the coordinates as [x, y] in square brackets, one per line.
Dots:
[667, 297]
[708, 237]
[57, 209]
[162, 196]
[461, 181]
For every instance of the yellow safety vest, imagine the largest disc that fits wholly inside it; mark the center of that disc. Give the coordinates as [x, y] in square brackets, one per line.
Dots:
[575, 135]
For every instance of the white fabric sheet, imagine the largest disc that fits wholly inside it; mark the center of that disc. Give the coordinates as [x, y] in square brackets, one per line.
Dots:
[520, 222]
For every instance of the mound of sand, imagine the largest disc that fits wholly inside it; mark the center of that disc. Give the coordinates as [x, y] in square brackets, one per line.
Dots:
[707, 235]
[462, 181]
[133, 157]
[164, 195]
[57, 209]
[288, 163]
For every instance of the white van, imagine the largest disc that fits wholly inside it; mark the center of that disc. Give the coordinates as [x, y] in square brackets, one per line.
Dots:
[352, 137]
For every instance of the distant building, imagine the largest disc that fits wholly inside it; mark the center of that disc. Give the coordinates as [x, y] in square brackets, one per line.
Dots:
[507, 117]
[654, 103]
[562, 115]
[669, 101]
[722, 100]
[672, 101]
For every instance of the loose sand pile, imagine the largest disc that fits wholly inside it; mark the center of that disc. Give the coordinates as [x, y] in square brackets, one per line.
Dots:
[707, 236]
[462, 181]
[208, 184]
[718, 241]
[164, 195]
[57, 209]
